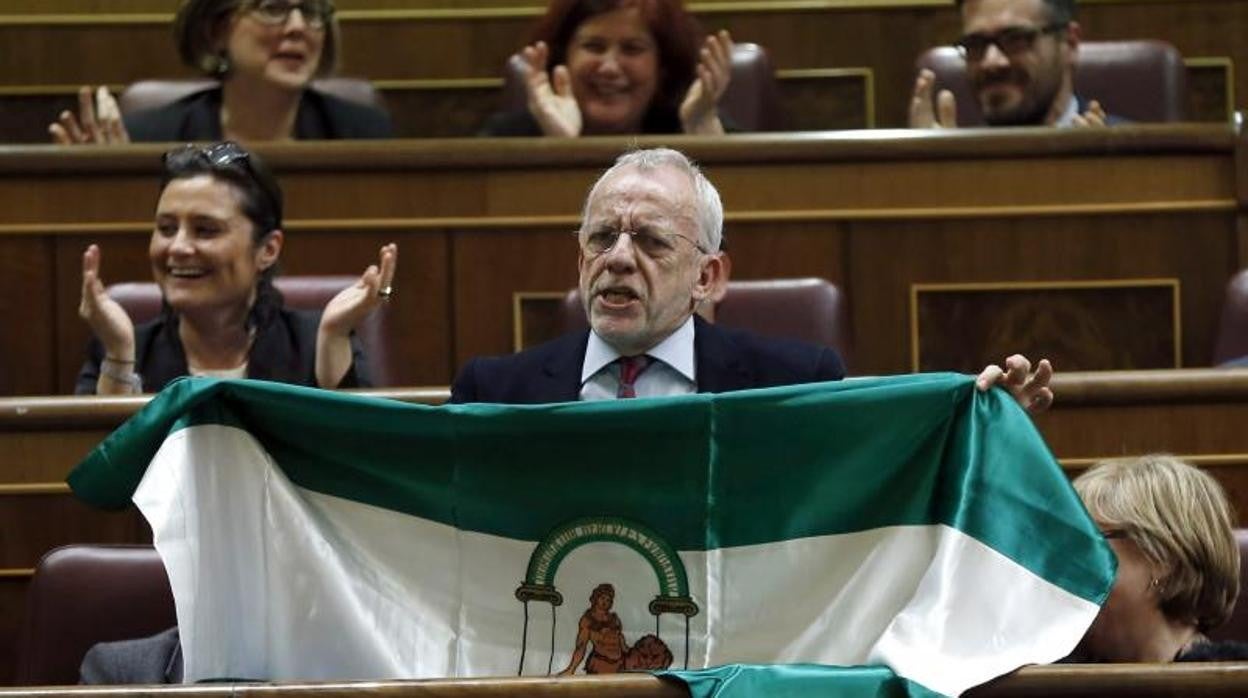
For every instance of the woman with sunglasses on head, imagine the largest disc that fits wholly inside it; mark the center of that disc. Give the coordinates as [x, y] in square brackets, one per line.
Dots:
[265, 53]
[214, 252]
[619, 67]
[1169, 525]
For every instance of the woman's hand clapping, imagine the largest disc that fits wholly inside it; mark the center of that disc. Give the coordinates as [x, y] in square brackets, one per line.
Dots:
[346, 311]
[550, 97]
[699, 111]
[98, 121]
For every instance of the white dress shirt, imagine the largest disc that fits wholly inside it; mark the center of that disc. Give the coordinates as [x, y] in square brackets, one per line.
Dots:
[671, 371]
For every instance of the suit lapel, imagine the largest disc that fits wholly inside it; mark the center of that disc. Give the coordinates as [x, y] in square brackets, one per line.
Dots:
[721, 366]
[560, 379]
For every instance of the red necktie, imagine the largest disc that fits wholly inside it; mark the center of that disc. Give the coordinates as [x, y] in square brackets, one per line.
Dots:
[630, 368]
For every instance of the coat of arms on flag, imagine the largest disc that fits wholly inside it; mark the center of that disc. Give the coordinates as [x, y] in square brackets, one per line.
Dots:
[599, 630]
[910, 522]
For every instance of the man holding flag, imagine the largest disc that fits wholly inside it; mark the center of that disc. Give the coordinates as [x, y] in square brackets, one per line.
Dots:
[916, 523]
[649, 256]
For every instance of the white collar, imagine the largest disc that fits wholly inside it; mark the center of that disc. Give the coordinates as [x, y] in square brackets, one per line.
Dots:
[676, 351]
[1067, 118]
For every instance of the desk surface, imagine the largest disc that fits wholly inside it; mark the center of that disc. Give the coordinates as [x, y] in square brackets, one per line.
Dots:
[1136, 681]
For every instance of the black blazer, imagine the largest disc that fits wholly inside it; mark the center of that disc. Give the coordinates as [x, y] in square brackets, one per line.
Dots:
[197, 117]
[726, 359]
[284, 351]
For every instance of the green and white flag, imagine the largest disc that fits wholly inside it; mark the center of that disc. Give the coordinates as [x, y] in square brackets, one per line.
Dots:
[911, 522]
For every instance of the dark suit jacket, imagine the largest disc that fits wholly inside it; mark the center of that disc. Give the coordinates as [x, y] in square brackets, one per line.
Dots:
[155, 659]
[726, 359]
[197, 117]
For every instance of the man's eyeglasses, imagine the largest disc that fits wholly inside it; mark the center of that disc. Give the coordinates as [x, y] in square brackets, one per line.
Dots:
[1011, 40]
[316, 14]
[652, 244]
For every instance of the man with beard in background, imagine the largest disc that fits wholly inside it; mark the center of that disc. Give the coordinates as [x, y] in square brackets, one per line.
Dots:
[1020, 60]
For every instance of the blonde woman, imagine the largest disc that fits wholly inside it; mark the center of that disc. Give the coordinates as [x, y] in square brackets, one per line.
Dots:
[1178, 562]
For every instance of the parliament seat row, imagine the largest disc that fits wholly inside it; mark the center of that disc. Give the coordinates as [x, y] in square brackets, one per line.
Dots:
[840, 65]
[1142, 81]
[811, 310]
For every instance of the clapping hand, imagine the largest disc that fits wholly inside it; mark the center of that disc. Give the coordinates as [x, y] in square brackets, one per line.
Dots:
[1094, 117]
[354, 303]
[110, 323]
[346, 311]
[699, 111]
[98, 121]
[942, 112]
[1031, 390]
[550, 97]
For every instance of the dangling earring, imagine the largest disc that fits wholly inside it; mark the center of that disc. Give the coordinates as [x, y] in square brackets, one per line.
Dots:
[216, 64]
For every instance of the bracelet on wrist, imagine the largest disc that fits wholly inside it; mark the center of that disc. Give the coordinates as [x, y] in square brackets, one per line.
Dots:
[128, 378]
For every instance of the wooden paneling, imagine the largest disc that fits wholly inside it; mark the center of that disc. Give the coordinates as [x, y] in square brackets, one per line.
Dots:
[539, 260]
[450, 39]
[1038, 248]
[1081, 326]
[479, 220]
[12, 607]
[27, 303]
[47, 521]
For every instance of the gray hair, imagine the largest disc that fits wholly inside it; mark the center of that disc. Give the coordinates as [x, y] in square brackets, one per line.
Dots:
[710, 211]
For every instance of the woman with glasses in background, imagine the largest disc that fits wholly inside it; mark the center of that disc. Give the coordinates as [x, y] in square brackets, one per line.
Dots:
[265, 54]
[600, 67]
[214, 252]
[1169, 525]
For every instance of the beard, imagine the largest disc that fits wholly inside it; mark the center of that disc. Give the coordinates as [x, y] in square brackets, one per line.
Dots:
[1033, 107]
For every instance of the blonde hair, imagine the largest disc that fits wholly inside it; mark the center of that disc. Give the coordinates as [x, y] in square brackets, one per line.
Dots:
[1180, 519]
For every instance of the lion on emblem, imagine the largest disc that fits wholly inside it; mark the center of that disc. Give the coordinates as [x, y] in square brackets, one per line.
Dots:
[601, 632]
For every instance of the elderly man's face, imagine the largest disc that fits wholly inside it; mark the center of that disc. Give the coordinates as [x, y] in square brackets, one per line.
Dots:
[1017, 78]
[640, 289]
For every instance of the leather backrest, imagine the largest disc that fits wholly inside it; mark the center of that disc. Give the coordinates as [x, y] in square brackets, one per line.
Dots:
[1232, 341]
[811, 310]
[152, 94]
[1138, 80]
[751, 101]
[142, 303]
[85, 594]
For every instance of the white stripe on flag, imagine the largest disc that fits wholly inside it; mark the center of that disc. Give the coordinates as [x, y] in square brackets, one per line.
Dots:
[272, 581]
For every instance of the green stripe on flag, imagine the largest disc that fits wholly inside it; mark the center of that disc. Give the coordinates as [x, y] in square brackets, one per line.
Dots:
[798, 681]
[707, 471]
